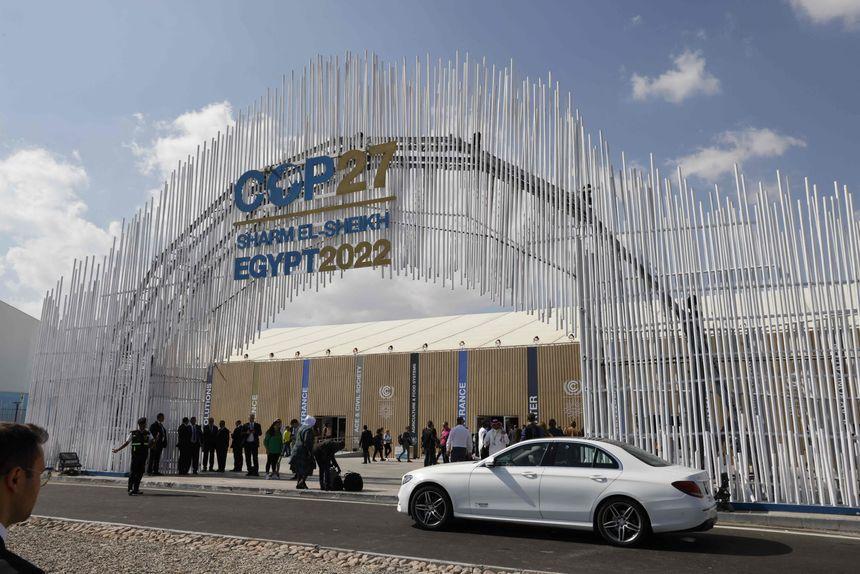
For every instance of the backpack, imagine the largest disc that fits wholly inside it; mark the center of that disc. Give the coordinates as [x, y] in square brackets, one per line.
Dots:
[335, 482]
[352, 482]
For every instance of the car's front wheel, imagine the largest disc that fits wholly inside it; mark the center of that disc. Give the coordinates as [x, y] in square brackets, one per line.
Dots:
[431, 508]
[622, 522]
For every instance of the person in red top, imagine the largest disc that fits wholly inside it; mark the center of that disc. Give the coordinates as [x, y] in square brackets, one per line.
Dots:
[443, 442]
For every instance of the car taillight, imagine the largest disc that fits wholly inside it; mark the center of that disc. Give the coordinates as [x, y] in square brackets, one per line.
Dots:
[689, 487]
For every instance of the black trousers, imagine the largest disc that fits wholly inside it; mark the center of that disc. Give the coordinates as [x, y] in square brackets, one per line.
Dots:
[222, 458]
[208, 457]
[429, 456]
[365, 450]
[138, 465]
[184, 460]
[237, 459]
[194, 451]
[154, 460]
[459, 454]
[252, 460]
[272, 462]
[377, 451]
[324, 464]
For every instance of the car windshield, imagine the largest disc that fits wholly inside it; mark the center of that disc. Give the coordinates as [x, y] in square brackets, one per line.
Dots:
[643, 455]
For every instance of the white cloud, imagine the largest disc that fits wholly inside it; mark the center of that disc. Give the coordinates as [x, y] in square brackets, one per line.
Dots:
[735, 147]
[824, 11]
[175, 140]
[686, 79]
[363, 295]
[43, 218]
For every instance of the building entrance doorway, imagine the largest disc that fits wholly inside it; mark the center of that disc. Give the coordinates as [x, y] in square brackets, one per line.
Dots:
[331, 427]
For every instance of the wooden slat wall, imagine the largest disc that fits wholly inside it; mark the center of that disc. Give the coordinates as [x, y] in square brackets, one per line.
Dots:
[498, 384]
[332, 390]
[380, 370]
[231, 392]
[437, 389]
[558, 364]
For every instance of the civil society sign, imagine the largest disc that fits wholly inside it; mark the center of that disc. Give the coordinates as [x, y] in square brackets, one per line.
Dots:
[285, 185]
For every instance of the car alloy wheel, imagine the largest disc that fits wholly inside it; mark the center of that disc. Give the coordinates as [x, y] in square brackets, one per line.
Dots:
[430, 508]
[622, 523]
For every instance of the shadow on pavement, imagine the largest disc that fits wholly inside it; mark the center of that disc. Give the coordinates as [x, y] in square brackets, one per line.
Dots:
[699, 542]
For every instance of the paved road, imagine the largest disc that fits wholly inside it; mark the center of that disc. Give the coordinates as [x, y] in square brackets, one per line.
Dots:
[378, 528]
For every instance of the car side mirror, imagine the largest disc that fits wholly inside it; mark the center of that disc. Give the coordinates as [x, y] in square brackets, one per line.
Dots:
[490, 463]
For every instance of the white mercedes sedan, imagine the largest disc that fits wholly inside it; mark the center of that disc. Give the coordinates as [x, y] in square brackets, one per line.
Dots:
[621, 491]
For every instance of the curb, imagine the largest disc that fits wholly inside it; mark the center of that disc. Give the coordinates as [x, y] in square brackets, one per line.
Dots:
[368, 497]
[804, 522]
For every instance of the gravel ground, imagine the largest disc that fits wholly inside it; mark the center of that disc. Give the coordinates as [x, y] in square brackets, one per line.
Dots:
[84, 547]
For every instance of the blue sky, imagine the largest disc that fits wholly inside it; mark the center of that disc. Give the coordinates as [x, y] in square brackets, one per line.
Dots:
[98, 99]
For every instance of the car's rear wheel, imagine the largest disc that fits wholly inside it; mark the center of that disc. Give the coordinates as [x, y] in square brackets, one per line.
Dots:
[431, 508]
[622, 522]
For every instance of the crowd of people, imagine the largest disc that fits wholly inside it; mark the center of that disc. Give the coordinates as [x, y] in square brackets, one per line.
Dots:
[457, 444]
[306, 447]
[299, 444]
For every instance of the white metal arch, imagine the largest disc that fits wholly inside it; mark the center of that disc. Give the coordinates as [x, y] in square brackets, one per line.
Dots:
[721, 336]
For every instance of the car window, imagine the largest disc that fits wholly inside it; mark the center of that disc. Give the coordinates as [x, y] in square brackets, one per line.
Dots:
[524, 455]
[577, 455]
[643, 455]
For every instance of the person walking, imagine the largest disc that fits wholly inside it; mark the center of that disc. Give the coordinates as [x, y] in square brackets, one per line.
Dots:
[364, 442]
[324, 454]
[251, 444]
[443, 442]
[237, 444]
[22, 467]
[553, 429]
[183, 443]
[140, 442]
[496, 438]
[210, 434]
[159, 442]
[429, 441]
[377, 446]
[532, 430]
[386, 445]
[195, 442]
[483, 451]
[514, 434]
[222, 443]
[303, 458]
[405, 442]
[288, 439]
[274, 444]
[460, 442]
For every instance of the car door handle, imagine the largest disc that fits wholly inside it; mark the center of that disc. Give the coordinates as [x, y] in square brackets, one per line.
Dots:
[597, 478]
[530, 474]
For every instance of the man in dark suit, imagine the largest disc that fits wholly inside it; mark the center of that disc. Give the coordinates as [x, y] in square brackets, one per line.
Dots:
[222, 442]
[183, 443]
[159, 442]
[22, 466]
[196, 442]
[210, 433]
[364, 442]
[237, 445]
[253, 430]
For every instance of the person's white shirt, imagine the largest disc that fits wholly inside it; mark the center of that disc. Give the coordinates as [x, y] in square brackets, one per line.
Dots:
[459, 437]
[3, 533]
[481, 434]
[496, 440]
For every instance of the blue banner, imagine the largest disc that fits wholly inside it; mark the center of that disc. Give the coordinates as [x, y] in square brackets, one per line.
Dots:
[462, 386]
[533, 380]
[306, 368]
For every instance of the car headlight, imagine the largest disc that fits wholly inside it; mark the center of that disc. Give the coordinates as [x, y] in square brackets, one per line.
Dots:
[406, 478]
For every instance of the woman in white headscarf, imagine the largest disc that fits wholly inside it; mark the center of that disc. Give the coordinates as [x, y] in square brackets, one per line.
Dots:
[303, 458]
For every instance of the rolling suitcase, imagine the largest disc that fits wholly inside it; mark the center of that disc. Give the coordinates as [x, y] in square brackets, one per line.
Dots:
[335, 482]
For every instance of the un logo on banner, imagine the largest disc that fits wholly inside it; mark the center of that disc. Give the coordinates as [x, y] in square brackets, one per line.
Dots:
[573, 388]
[386, 392]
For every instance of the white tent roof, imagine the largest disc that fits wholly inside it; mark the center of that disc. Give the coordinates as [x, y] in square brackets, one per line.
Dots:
[406, 335]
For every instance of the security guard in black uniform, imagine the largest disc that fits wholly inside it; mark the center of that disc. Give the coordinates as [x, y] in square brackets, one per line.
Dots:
[140, 442]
